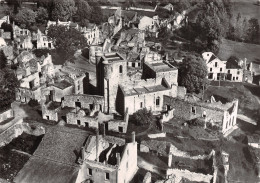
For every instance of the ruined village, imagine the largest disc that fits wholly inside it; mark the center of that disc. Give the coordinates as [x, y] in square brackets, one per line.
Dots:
[129, 91]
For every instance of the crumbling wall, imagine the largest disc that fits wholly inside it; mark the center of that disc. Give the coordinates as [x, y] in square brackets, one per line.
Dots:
[119, 126]
[16, 130]
[181, 92]
[50, 114]
[86, 101]
[167, 116]
[26, 94]
[183, 109]
[6, 114]
[82, 120]
[198, 177]
[147, 178]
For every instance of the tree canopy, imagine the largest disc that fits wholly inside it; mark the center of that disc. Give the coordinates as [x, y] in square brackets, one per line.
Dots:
[83, 10]
[26, 16]
[42, 15]
[8, 85]
[3, 60]
[66, 40]
[63, 9]
[193, 73]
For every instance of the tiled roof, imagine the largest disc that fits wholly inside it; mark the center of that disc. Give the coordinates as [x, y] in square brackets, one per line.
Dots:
[60, 146]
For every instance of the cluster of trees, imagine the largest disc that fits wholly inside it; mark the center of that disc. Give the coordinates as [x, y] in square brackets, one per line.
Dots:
[82, 11]
[244, 30]
[142, 117]
[192, 73]
[8, 83]
[67, 40]
[211, 19]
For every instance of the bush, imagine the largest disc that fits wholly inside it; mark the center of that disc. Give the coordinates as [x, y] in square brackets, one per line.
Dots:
[197, 122]
[143, 117]
[85, 53]
[33, 103]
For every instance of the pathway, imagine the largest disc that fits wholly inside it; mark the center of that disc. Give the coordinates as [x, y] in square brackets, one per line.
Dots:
[19, 114]
[246, 119]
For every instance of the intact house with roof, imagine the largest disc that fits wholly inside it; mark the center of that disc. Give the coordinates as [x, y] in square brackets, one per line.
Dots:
[223, 116]
[108, 159]
[223, 70]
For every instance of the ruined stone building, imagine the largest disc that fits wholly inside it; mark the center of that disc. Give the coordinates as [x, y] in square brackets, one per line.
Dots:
[43, 41]
[32, 74]
[121, 92]
[108, 159]
[39, 79]
[223, 116]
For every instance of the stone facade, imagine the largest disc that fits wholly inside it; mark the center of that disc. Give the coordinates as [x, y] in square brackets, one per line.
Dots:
[84, 101]
[119, 125]
[6, 115]
[221, 115]
[96, 169]
[223, 70]
[43, 41]
[80, 118]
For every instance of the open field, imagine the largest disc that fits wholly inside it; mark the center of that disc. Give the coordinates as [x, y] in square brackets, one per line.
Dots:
[242, 50]
[246, 8]
[246, 94]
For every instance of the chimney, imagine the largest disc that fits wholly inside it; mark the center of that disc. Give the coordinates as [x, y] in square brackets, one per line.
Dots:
[118, 158]
[97, 146]
[83, 153]
[170, 160]
[133, 136]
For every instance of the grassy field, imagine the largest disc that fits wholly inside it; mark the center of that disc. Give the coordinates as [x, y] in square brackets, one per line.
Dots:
[242, 50]
[246, 8]
[245, 93]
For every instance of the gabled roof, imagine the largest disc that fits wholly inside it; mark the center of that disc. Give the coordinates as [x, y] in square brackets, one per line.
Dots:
[233, 64]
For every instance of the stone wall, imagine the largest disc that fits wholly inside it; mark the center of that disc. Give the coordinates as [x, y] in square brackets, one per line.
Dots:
[16, 130]
[167, 116]
[50, 114]
[85, 101]
[119, 125]
[81, 119]
[26, 94]
[6, 115]
[183, 109]
[146, 100]
[197, 177]
[147, 178]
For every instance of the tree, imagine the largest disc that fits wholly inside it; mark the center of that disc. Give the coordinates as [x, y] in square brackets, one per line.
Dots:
[42, 15]
[3, 60]
[26, 16]
[15, 3]
[193, 73]
[63, 10]
[96, 13]
[7, 28]
[83, 10]
[8, 85]
[253, 30]
[142, 117]
[66, 40]
[48, 4]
